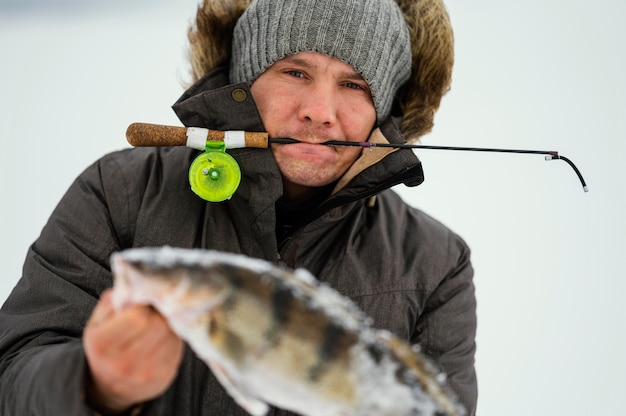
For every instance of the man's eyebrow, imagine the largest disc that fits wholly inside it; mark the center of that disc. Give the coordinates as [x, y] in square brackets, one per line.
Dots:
[294, 60]
[353, 75]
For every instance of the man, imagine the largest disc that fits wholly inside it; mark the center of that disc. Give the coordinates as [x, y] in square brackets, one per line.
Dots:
[310, 70]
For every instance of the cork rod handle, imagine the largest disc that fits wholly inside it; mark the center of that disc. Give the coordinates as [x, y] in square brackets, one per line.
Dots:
[145, 134]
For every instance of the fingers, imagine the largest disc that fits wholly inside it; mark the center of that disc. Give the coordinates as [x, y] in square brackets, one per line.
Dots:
[160, 349]
[137, 326]
[118, 331]
[142, 331]
[133, 355]
[103, 309]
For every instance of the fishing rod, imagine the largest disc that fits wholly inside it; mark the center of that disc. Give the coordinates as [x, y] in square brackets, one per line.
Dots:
[214, 175]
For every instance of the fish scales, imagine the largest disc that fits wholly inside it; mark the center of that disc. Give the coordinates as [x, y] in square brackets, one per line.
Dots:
[249, 321]
[280, 337]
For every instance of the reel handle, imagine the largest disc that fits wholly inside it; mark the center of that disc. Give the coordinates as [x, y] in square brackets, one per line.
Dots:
[145, 134]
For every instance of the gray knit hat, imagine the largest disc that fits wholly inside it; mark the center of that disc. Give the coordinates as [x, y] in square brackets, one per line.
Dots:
[369, 35]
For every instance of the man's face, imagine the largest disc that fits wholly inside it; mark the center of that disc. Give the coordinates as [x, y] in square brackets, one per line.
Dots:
[314, 98]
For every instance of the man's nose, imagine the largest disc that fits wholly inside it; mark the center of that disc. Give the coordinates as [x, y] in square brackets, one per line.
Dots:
[319, 105]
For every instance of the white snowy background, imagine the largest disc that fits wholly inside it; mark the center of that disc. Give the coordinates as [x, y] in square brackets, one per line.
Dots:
[538, 74]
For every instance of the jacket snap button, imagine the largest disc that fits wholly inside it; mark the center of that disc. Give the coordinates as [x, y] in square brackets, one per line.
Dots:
[239, 95]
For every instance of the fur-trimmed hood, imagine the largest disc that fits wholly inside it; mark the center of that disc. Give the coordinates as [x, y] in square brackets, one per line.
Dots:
[432, 47]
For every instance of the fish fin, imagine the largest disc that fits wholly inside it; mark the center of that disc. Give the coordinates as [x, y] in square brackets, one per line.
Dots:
[249, 403]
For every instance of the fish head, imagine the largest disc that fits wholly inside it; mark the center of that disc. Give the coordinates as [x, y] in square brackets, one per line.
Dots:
[161, 278]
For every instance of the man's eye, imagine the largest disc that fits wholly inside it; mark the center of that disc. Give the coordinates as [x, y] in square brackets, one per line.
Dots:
[354, 86]
[297, 74]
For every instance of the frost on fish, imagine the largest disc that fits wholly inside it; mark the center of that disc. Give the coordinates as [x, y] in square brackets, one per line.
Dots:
[278, 337]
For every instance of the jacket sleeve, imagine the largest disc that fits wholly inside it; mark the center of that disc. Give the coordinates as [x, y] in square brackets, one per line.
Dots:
[42, 363]
[446, 329]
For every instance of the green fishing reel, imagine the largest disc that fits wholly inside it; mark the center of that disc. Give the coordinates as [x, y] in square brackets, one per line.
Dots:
[214, 175]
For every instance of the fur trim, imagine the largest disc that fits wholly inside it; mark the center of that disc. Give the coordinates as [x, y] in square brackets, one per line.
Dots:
[432, 45]
[210, 36]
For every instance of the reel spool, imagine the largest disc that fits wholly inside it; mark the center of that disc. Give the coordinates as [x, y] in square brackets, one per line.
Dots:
[214, 175]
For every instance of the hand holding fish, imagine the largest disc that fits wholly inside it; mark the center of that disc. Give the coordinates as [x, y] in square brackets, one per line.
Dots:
[132, 355]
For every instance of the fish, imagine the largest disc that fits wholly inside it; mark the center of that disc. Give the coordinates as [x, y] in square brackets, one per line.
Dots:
[274, 336]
